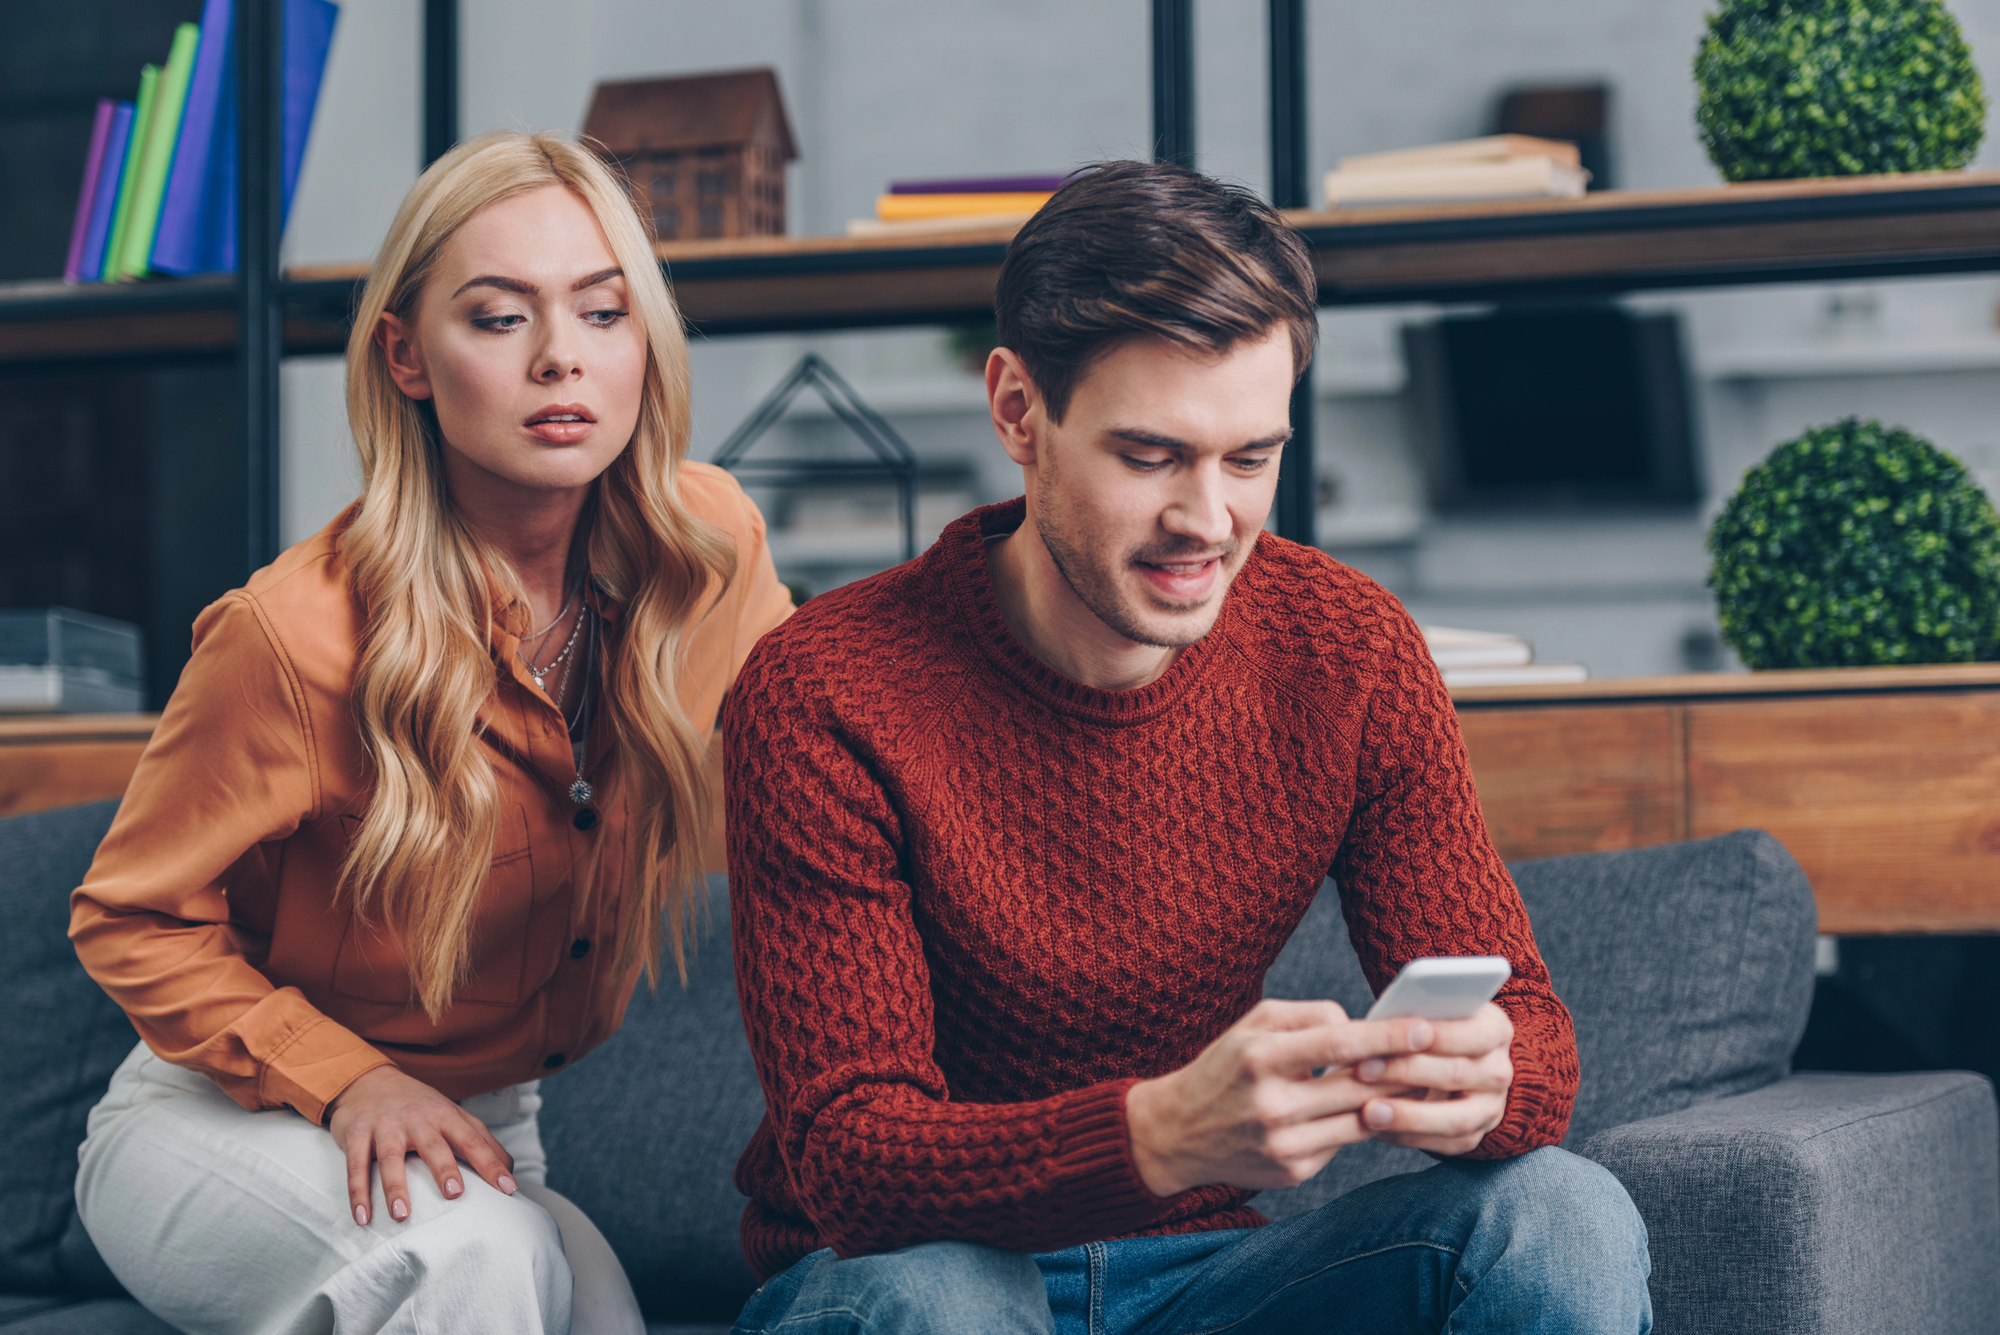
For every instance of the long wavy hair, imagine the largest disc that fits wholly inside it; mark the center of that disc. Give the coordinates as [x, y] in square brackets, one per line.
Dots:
[422, 854]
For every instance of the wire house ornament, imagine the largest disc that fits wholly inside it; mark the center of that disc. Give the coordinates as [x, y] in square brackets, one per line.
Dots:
[894, 459]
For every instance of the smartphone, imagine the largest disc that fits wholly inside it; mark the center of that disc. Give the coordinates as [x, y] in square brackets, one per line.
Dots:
[1441, 987]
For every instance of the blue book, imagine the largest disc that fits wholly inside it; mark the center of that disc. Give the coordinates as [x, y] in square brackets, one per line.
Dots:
[187, 211]
[90, 264]
[308, 38]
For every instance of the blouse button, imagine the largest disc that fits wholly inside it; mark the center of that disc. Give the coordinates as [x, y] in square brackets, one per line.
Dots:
[579, 948]
[553, 1060]
[585, 819]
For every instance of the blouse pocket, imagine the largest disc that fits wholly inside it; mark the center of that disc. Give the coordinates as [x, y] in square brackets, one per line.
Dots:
[372, 964]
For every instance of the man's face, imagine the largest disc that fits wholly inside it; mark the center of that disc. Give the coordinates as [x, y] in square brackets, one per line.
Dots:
[1151, 491]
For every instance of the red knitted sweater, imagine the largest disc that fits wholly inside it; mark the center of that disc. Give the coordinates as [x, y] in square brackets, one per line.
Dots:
[974, 901]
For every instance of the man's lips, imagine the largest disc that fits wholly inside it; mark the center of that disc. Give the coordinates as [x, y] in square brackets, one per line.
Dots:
[1182, 579]
[562, 423]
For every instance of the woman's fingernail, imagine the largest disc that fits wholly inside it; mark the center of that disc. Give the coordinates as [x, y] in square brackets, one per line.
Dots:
[399, 1211]
[361, 1215]
[507, 1184]
[452, 1187]
[1371, 1069]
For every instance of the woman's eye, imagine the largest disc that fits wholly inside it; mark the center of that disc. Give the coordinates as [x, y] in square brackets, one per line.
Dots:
[604, 319]
[498, 323]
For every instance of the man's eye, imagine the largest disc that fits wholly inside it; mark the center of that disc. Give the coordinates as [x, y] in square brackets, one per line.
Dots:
[1145, 465]
[1251, 463]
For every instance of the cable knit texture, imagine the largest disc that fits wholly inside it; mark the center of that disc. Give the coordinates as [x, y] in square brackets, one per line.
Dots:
[974, 901]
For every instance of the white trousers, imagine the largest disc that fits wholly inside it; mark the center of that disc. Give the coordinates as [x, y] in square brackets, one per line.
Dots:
[227, 1222]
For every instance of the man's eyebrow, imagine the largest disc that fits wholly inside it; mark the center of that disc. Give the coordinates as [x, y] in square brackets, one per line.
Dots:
[504, 284]
[1154, 441]
[601, 276]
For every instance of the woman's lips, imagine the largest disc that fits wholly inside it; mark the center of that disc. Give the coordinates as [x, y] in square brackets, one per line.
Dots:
[561, 423]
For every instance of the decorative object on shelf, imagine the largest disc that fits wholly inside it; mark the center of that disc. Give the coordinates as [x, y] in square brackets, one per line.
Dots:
[1501, 166]
[1857, 545]
[894, 460]
[1579, 114]
[705, 153]
[55, 660]
[159, 186]
[1833, 88]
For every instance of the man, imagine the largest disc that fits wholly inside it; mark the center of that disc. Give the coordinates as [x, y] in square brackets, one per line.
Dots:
[1017, 828]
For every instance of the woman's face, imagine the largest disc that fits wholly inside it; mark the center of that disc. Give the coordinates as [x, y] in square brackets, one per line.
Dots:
[523, 341]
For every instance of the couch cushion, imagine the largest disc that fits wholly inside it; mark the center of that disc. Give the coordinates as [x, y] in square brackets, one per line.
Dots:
[1688, 969]
[644, 1134]
[65, 1037]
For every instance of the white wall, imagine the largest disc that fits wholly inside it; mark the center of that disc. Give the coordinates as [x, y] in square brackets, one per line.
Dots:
[885, 89]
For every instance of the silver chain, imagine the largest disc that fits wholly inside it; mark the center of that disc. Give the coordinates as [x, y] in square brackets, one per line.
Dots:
[538, 672]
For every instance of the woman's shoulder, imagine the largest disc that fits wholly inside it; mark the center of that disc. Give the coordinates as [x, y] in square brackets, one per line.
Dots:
[302, 604]
[713, 495]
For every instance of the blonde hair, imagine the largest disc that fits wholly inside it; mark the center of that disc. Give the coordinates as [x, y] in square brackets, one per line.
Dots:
[423, 852]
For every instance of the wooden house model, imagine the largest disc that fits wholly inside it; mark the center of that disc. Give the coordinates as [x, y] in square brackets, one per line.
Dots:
[705, 153]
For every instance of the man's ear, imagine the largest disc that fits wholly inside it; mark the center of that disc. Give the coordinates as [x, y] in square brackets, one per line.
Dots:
[399, 350]
[1015, 404]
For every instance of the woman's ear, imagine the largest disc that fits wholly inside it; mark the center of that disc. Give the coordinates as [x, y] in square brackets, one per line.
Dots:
[399, 350]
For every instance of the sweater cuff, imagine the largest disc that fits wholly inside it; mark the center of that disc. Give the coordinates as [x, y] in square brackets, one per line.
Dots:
[1525, 1125]
[1106, 1196]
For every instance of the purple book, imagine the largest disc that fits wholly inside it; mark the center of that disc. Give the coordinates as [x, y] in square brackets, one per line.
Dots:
[104, 201]
[982, 185]
[187, 209]
[93, 163]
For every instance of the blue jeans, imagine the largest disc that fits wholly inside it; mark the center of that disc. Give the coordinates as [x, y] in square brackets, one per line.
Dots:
[1548, 1242]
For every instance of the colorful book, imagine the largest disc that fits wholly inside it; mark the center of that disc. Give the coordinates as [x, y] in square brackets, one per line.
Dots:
[308, 38]
[104, 198]
[897, 208]
[982, 185]
[149, 84]
[191, 208]
[86, 193]
[156, 155]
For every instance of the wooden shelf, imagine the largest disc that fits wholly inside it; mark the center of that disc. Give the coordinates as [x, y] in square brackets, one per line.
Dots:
[1741, 685]
[59, 760]
[1613, 241]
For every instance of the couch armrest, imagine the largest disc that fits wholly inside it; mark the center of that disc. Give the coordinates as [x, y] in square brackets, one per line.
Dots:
[1822, 1204]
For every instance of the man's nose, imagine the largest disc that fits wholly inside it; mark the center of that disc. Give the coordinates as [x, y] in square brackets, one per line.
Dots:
[1200, 509]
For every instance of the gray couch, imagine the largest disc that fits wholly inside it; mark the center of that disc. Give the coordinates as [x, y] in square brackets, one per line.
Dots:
[1776, 1202]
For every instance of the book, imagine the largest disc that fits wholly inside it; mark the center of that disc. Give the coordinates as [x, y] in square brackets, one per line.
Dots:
[142, 115]
[1512, 178]
[86, 193]
[309, 28]
[1526, 674]
[1454, 648]
[1493, 148]
[896, 208]
[982, 185]
[190, 210]
[156, 155]
[917, 227]
[104, 198]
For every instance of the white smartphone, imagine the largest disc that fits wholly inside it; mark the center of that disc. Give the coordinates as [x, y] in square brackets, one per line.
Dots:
[1441, 987]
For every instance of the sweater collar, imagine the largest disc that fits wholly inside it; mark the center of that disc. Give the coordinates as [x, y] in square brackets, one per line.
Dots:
[963, 549]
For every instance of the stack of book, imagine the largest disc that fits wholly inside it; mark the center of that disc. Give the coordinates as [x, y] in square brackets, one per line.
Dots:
[1488, 658]
[159, 191]
[1501, 166]
[916, 207]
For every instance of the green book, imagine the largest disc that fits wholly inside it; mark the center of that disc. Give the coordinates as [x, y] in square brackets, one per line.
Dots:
[142, 115]
[163, 130]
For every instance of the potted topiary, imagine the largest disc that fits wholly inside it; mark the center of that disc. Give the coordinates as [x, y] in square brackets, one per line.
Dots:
[1857, 544]
[1795, 88]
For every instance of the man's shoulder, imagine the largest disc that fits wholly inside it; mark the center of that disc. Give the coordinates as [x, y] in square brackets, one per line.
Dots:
[1295, 601]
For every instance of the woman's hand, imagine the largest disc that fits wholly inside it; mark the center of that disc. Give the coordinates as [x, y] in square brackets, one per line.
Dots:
[386, 1115]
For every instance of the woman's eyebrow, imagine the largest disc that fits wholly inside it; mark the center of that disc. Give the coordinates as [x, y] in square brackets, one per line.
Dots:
[504, 284]
[601, 276]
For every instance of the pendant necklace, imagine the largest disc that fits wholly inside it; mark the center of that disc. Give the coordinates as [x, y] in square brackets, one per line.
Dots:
[580, 792]
[540, 673]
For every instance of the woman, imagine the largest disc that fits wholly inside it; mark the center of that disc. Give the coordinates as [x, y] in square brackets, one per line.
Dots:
[431, 782]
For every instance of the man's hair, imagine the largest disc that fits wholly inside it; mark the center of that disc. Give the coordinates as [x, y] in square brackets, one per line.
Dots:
[1149, 248]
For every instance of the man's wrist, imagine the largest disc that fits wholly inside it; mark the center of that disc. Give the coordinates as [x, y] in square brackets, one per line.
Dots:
[1143, 1123]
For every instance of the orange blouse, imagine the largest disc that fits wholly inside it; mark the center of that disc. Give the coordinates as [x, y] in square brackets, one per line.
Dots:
[210, 915]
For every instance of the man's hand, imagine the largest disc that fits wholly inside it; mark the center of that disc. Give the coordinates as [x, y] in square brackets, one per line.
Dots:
[1249, 1112]
[385, 1115]
[1460, 1082]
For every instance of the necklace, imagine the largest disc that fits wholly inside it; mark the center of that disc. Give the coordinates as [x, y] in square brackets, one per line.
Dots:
[580, 792]
[539, 673]
[567, 604]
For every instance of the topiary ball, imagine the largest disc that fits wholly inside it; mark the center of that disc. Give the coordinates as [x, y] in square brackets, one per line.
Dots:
[1793, 88]
[1857, 544]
